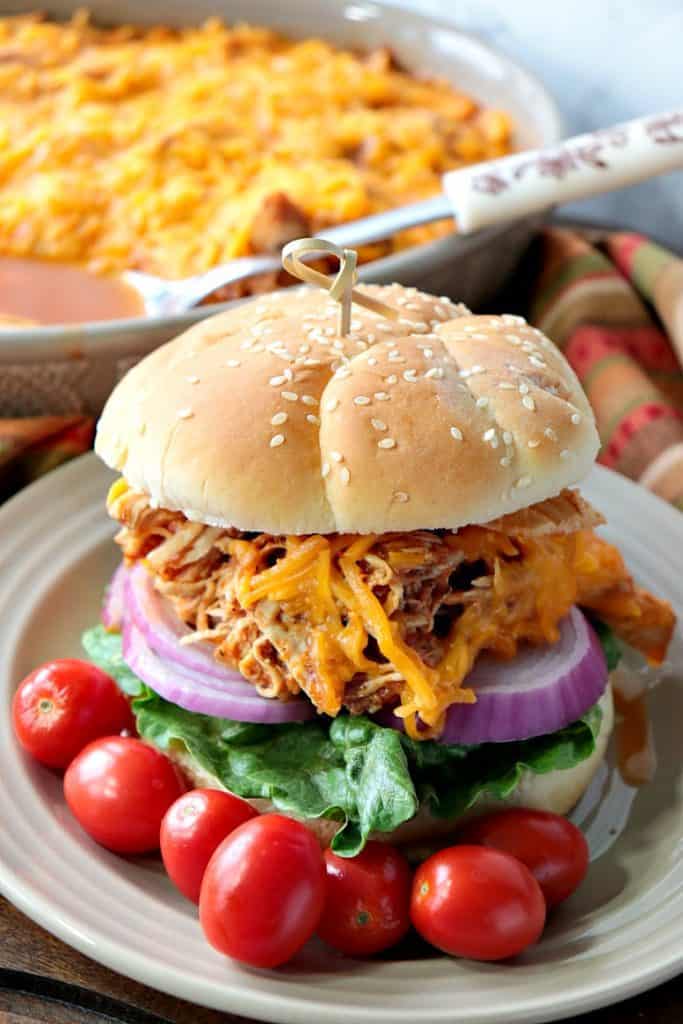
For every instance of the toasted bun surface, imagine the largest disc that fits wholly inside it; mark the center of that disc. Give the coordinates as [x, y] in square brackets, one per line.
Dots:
[557, 791]
[264, 419]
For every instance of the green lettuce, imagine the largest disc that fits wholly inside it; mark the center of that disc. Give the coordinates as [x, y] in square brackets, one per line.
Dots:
[350, 769]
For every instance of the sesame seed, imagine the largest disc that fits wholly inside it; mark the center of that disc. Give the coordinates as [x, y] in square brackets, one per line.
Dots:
[279, 418]
[506, 460]
[289, 376]
[422, 328]
[381, 396]
[329, 331]
[507, 437]
[576, 418]
[391, 379]
[440, 311]
[534, 443]
[343, 372]
[277, 440]
[275, 382]
[193, 379]
[489, 434]
[257, 348]
[524, 388]
[435, 372]
[536, 361]
[309, 400]
[410, 376]
[464, 374]
[361, 400]
[479, 337]
[289, 396]
[529, 403]
[511, 318]
[394, 352]
[523, 481]
[312, 418]
[413, 305]
[331, 404]
[482, 402]
[325, 470]
[344, 474]
[401, 497]
[513, 339]
[246, 344]
[550, 433]
[427, 352]
[184, 414]
[383, 327]
[372, 361]
[495, 442]
[311, 362]
[336, 456]
[356, 325]
[396, 359]
[456, 433]
[469, 328]
[565, 453]
[505, 385]
[378, 424]
[386, 442]
[338, 344]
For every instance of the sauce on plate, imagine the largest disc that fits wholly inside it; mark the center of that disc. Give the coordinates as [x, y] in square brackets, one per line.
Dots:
[35, 292]
[636, 756]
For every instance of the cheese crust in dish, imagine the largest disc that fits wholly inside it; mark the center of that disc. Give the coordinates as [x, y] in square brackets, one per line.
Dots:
[170, 151]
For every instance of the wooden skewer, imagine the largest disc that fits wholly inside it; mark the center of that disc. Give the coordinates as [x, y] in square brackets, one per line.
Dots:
[340, 286]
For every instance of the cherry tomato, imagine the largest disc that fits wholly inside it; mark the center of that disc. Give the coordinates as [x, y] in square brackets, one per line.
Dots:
[554, 850]
[263, 891]
[119, 789]
[476, 902]
[367, 908]
[63, 705]
[192, 829]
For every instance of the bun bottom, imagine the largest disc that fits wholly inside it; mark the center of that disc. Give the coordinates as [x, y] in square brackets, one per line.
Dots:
[558, 791]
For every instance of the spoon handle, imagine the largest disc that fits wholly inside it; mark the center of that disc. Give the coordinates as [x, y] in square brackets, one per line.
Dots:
[583, 166]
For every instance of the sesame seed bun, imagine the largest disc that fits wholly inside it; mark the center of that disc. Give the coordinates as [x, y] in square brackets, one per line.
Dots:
[264, 419]
[557, 791]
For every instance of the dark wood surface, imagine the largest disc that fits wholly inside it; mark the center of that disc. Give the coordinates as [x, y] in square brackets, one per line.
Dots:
[43, 981]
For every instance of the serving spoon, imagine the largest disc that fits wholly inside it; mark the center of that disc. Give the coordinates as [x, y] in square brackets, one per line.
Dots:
[478, 196]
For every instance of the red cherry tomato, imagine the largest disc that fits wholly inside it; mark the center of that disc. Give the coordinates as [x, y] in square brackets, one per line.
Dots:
[475, 902]
[119, 789]
[554, 850]
[368, 900]
[263, 891]
[192, 829]
[63, 705]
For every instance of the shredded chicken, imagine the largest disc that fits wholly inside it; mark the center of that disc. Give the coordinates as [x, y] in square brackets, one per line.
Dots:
[361, 622]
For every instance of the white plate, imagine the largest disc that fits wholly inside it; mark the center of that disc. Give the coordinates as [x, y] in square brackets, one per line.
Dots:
[622, 932]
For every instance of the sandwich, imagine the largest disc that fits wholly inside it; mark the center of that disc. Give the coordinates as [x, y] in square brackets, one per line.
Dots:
[359, 584]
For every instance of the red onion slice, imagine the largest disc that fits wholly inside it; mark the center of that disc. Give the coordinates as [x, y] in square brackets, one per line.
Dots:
[114, 600]
[539, 691]
[191, 690]
[163, 630]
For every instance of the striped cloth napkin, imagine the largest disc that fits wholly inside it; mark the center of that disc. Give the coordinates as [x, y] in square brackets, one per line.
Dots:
[614, 308]
[606, 307]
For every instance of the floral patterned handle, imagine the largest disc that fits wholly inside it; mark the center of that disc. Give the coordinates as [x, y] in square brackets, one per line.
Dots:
[586, 165]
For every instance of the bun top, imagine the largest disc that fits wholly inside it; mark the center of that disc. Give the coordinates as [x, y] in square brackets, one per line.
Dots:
[265, 419]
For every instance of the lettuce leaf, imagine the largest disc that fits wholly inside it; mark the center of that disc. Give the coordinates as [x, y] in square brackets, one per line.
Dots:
[611, 647]
[366, 777]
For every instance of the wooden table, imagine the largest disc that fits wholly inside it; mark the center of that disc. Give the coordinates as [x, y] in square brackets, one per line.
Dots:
[43, 981]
